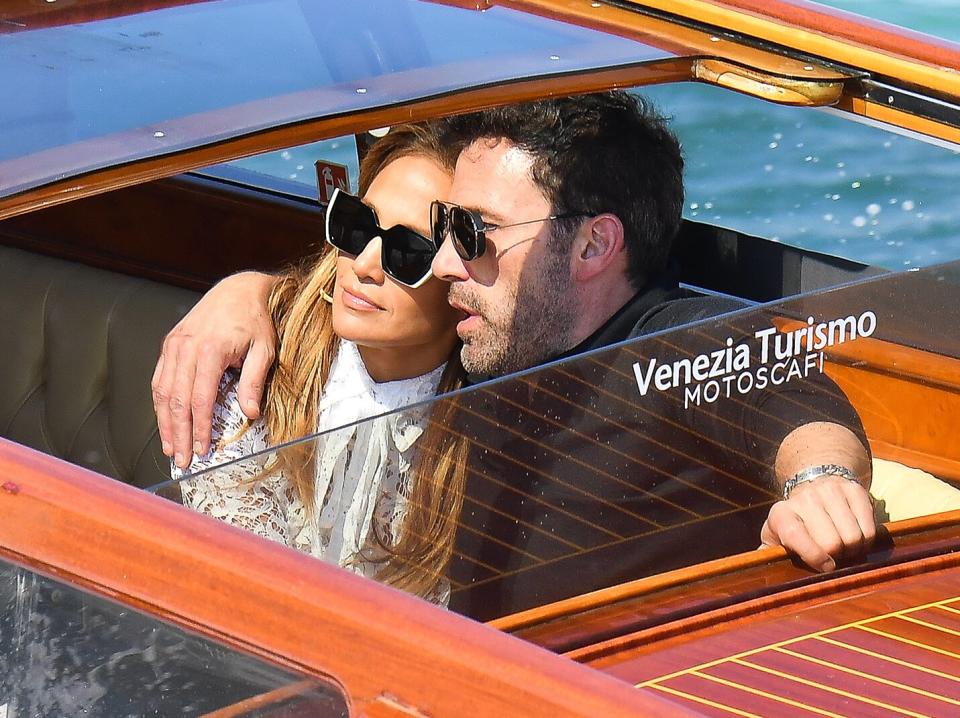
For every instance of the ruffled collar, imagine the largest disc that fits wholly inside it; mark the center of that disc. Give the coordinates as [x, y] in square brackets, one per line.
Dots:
[360, 463]
[351, 394]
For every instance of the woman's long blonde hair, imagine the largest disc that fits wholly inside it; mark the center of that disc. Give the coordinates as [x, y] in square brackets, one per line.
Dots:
[414, 557]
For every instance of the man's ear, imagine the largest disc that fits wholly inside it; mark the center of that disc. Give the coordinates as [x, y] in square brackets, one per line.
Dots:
[597, 246]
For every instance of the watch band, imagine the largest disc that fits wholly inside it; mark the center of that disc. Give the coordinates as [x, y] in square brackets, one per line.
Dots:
[815, 472]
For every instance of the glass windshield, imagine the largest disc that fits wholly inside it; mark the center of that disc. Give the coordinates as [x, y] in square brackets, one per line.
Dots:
[101, 93]
[624, 462]
[293, 170]
[66, 652]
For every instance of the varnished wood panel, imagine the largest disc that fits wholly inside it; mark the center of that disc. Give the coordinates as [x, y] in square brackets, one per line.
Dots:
[283, 606]
[907, 398]
[188, 231]
[881, 36]
[805, 28]
[664, 607]
[887, 651]
[813, 29]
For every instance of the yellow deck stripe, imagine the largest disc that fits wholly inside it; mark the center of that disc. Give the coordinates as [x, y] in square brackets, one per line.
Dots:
[891, 659]
[932, 626]
[706, 702]
[771, 696]
[894, 637]
[830, 689]
[816, 634]
[947, 608]
[870, 677]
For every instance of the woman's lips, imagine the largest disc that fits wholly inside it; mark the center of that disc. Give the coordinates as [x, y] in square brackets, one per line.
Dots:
[358, 302]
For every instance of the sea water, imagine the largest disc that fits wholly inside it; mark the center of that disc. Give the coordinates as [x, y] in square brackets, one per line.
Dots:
[819, 181]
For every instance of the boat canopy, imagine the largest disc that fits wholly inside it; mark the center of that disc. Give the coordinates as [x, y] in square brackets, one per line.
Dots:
[118, 89]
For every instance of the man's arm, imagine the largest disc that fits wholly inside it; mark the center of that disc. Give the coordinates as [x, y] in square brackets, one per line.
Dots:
[830, 516]
[785, 429]
[230, 327]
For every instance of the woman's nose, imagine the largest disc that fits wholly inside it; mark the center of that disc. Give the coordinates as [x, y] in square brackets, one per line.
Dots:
[367, 264]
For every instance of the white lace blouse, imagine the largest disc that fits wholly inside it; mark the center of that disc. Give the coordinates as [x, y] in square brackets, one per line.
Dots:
[360, 470]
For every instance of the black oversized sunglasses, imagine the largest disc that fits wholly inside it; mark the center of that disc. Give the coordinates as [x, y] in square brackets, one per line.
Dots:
[405, 255]
[469, 231]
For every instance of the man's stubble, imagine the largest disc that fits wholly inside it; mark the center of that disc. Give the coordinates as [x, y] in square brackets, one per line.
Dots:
[533, 327]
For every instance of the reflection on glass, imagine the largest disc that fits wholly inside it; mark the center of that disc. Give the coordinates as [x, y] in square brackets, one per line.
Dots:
[656, 453]
[203, 65]
[65, 652]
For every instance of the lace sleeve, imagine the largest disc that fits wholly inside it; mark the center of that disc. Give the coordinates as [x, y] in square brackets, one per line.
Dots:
[235, 493]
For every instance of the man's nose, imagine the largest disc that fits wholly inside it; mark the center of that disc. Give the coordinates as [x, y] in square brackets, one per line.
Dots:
[447, 264]
[367, 265]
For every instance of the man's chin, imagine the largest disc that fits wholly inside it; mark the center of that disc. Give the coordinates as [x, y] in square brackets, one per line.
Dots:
[474, 361]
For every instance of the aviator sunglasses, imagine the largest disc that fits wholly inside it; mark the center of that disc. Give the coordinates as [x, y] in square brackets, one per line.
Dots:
[469, 231]
[405, 255]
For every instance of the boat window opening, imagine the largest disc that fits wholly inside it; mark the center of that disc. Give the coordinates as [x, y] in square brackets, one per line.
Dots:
[813, 180]
[293, 169]
[64, 651]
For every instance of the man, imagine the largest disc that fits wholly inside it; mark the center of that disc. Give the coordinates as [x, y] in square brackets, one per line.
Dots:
[563, 213]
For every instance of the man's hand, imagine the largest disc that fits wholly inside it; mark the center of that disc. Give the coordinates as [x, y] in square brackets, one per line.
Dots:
[830, 517]
[822, 521]
[230, 326]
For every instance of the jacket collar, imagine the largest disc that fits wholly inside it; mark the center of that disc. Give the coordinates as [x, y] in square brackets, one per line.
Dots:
[620, 326]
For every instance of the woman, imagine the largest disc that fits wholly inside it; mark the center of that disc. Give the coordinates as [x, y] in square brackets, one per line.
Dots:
[362, 332]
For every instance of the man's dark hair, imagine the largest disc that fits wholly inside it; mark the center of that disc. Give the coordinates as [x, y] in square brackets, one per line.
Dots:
[603, 152]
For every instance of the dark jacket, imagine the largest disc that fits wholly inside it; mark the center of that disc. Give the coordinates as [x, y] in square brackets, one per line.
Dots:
[577, 480]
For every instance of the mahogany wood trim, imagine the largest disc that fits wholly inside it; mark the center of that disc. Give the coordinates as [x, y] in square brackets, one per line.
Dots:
[941, 466]
[834, 22]
[147, 552]
[153, 230]
[602, 653]
[898, 118]
[717, 569]
[839, 36]
[677, 38]
[243, 708]
[908, 399]
[906, 420]
[890, 358]
[633, 589]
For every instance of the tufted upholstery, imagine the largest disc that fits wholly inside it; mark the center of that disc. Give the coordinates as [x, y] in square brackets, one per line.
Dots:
[77, 349]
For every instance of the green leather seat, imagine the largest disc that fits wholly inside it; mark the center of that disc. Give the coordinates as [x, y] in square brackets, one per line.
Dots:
[77, 351]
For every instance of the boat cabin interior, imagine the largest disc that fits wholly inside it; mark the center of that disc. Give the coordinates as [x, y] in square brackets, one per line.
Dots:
[92, 286]
[113, 223]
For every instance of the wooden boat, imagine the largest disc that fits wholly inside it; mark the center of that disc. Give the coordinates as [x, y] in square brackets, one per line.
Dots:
[102, 216]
